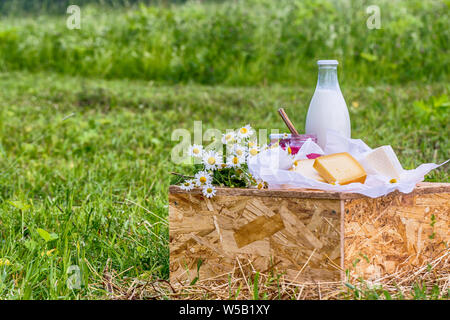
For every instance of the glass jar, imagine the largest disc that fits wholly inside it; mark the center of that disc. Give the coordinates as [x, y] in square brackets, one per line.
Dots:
[295, 142]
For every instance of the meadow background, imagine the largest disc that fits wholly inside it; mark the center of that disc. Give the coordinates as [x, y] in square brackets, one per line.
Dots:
[86, 115]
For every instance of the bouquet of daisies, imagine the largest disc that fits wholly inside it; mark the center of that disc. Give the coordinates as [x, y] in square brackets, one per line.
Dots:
[228, 168]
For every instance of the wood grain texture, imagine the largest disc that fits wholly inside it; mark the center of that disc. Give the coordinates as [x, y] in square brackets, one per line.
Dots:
[237, 234]
[265, 226]
[306, 238]
[422, 188]
[395, 233]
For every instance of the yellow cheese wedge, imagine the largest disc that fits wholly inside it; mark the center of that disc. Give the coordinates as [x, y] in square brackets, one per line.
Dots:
[340, 168]
[305, 167]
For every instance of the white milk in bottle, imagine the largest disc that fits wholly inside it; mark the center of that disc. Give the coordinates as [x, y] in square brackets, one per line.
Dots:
[327, 109]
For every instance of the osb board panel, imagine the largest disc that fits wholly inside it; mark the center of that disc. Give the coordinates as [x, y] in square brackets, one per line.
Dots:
[395, 233]
[421, 188]
[240, 234]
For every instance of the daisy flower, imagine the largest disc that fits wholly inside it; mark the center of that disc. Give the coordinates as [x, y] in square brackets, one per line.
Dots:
[223, 166]
[209, 191]
[203, 177]
[212, 160]
[252, 143]
[196, 151]
[193, 183]
[234, 161]
[188, 185]
[253, 151]
[245, 132]
[239, 150]
[228, 137]
[262, 184]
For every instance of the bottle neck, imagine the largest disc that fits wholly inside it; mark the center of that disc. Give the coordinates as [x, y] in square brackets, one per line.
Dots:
[328, 78]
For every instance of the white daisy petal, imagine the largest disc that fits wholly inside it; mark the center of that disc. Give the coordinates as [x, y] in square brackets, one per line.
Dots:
[203, 177]
[193, 183]
[260, 184]
[253, 151]
[235, 161]
[245, 132]
[196, 151]
[228, 137]
[212, 160]
[187, 185]
[239, 150]
[209, 191]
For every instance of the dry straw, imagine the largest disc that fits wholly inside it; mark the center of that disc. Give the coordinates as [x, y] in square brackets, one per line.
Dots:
[241, 286]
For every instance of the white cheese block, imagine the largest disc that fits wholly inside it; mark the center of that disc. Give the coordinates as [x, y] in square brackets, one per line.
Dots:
[305, 167]
[384, 162]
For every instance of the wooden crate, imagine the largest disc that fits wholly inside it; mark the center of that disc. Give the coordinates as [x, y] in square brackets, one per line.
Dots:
[307, 235]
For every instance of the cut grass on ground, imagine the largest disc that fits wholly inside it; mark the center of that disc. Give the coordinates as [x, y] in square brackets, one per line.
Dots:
[84, 170]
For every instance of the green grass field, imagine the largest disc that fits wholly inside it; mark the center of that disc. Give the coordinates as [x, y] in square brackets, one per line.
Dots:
[237, 43]
[86, 117]
[88, 160]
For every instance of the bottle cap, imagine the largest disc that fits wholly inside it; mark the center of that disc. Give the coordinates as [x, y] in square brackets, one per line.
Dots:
[327, 62]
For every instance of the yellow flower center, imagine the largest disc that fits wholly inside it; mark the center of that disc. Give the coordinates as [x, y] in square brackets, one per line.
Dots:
[296, 163]
[211, 160]
[235, 160]
[209, 190]
[228, 137]
[253, 152]
[224, 165]
[239, 152]
[244, 130]
[260, 185]
[393, 181]
[196, 151]
[251, 144]
[186, 184]
[202, 179]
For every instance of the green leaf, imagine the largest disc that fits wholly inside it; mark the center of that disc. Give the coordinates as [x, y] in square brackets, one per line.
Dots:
[20, 205]
[369, 57]
[199, 264]
[238, 291]
[350, 286]
[255, 287]
[194, 281]
[387, 295]
[46, 235]
[141, 250]
[364, 256]
[30, 244]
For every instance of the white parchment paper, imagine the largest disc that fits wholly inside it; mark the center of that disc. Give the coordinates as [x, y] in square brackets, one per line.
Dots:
[273, 166]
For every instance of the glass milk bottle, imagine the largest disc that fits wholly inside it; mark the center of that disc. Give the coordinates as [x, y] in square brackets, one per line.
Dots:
[327, 109]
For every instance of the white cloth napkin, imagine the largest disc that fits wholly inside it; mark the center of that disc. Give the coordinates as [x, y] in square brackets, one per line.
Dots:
[273, 165]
